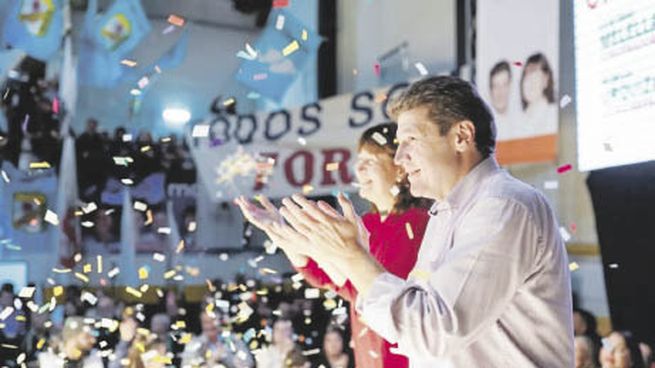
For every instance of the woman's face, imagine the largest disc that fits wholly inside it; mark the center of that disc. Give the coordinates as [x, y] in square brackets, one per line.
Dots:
[332, 344]
[376, 174]
[579, 324]
[534, 83]
[615, 354]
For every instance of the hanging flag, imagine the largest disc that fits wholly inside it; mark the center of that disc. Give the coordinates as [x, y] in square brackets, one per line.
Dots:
[279, 55]
[107, 39]
[34, 26]
[120, 29]
[69, 235]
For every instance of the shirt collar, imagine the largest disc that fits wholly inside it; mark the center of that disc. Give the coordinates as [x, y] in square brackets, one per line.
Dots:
[465, 188]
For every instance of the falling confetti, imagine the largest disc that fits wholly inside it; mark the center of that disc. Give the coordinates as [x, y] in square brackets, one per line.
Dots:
[5, 177]
[564, 168]
[332, 166]
[26, 292]
[565, 234]
[573, 266]
[280, 3]
[551, 185]
[564, 101]
[410, 232]
[200, 131]
[39, 165]
[132, 291]
[51, 218]
[159, 257]
[291, 48]
[422, 70]
[614, 265]
[113, 272]
[312, 293]
[379, 138]
[175, 20]
[377, 69]
[279, 22]
[129, 63]
[140, 206]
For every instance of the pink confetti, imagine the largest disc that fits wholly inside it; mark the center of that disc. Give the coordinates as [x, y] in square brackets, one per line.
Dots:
[517, 63]
[260, 76]
[55, 105]
[377, 68]
[564, 168]
[280, 3]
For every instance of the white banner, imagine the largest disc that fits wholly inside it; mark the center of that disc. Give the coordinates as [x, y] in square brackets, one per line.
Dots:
[309, 149]
[517, 69]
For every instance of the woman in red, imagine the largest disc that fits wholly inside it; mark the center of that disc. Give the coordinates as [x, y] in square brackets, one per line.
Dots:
[396, 223]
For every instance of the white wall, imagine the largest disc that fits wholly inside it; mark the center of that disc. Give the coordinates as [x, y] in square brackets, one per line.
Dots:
[368, 29]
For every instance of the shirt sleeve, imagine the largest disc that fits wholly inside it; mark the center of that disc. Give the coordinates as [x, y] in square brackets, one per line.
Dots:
[492, 253]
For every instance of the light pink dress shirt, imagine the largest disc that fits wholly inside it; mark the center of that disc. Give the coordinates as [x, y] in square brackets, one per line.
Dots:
[491, 286]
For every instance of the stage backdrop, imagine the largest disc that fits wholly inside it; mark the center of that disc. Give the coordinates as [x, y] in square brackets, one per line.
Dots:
[517, 67]
[308, 149]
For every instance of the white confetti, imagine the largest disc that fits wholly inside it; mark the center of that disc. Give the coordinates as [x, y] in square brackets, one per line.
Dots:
[159, 257]
[312, 293]
[565, 234]
[422, 70]
[279, 22]
[89, 207]
[6, 313]
[26, 292]
[564, 101]
[164, 230]
[551, 184]
[89, 298]
[52, 218]
[200, 131]
[113, 272]
[140, 206]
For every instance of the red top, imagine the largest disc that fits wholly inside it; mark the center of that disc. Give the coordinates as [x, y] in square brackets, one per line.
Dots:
[392, 247]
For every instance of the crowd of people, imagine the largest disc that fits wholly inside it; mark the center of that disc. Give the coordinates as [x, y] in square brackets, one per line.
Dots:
[242, 323]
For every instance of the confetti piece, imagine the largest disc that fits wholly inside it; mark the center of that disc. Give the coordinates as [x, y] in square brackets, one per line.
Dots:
[253, 95]
[82, 277]
[311, 352]
[260, 76]
[564, 168]
[113, 272]
[332, 166]
[422, 70]
[614, 265]
[39, 165]
[551, 185]
[175, 20]
[25, 122]
[40, 344]
[517, 63]
[394, 190]
[200, 131]
[86, 268]
[6, 313]
[410, 232]
[192, 226]
[87, 224]
[166, 31]
[127, 137]
[304, 35]
[127, 181]
[134, 292]
[159, 257]
[55, 105]
[58, 290]
[129, 63]
[89, 207]
[270, 271]
[312, 293]
[61, 270]
[302, 141]
[573, 266]
[564, 101]
[164, 230]
[146, 148]
[291, 48]
[373, 354]
[149, 218]
[26, 292]
[99, 263]
[5, 177]
[339, 311]
[377, 69]
[21, 358]
[89, 298]
[140, 206]
[169, 274]
[143, 273]
[306, 189]
[279, 22]
[9, 346]
[280, 3]
[229, 101]
[223, 257]
[565, 234]
[143, 82]
[180, 247]
[379, 138]
[185, 339]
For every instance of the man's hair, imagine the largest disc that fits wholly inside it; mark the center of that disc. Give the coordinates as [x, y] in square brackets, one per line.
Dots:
[450, 100]
[501, 66]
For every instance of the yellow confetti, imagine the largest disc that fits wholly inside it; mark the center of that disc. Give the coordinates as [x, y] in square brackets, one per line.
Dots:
[58, 290]
[229, 101]
[39, 165]
[21, 318]
[180, 246]
[40, 344]
[573, 266]
[291, 48]
[129, 63]
[132, 291]
[143, 273]
[169, 274]
[144, 288]
[82, 277]
[266, 270]
[304, 35]
[149, 218]
[209, 308]
[99, 263]
[145, 148]
[410, 232]
[306, 189]
[87, 268]
[210, 285]
[186, 338]
[162, 359]
[332, 166]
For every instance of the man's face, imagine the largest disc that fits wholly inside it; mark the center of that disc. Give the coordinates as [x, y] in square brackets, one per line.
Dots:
[428, 158]
[500, 84]
[209, 327]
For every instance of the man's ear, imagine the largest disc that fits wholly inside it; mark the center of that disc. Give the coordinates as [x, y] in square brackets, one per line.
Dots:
[464, 136]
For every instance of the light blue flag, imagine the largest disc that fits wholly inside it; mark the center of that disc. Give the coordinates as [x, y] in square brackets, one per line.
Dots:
[120, 29]
[107, 39]
[34, 26]
[281, 53]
